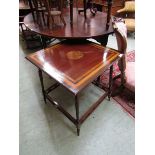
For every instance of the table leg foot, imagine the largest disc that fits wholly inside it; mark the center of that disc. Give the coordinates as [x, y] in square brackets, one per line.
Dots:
[98, 81]
[45, 100]
[78, 131]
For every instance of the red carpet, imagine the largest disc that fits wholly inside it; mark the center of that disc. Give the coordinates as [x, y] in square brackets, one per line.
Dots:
[125, 97]
[127, 100]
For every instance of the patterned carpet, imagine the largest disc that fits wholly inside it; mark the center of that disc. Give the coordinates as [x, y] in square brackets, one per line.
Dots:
[123, 96]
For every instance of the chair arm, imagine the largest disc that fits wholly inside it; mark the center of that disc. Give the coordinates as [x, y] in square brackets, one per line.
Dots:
[129, 7]
[121, 10]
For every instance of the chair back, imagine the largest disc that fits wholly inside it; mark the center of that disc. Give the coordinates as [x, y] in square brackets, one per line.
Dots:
[54, 9]
[121, 37]
[38, 8]
[120, 31]
[53, 4]
[37, 4]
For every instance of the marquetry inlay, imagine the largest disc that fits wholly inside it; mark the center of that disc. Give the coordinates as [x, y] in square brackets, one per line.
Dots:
[75, 55]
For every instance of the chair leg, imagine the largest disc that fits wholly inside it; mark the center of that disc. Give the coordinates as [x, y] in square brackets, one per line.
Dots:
[43, 18]
[117, 76]
[48, 23]
[52, 21]
[97, 82]
[62, 19]
[121, 87]
[38, 18]
[123, 77]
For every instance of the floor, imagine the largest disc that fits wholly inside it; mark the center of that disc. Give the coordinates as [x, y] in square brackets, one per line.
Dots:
[44, 131]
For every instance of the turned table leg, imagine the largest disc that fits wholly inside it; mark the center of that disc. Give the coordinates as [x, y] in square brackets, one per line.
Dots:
[110, 82]
[42, 84]
[77, 115]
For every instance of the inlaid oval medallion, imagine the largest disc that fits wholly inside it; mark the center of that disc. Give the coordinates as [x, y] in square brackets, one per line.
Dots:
[75, 55]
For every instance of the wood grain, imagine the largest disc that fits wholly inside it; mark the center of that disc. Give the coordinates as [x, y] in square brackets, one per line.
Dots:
[74, 74]
[92, 27]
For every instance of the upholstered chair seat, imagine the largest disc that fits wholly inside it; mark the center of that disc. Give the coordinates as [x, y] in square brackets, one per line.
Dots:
[128, 14]
[54, 13]
[130, 23]
[130, 76]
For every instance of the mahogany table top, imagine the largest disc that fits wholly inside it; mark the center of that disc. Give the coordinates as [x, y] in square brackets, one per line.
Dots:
[92, 27]
[74, 65]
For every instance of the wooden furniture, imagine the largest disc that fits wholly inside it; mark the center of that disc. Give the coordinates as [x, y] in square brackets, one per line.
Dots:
[127, 69]
[90, 4]
[72, 12]
[38, 9]
[93, 27]
[128, 14]
[109, 3]
[102, 5]
[124, 69]
[122, 45]
[74, 66]
[54, 11]
[32, 40]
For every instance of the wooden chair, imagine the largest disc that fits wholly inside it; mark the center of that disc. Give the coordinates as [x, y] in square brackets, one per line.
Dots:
[127, 74]
[123, 75]
[90, 6]
[128, 14]
[31, 39]
[39, 9]
[122, 45]
[54, 10]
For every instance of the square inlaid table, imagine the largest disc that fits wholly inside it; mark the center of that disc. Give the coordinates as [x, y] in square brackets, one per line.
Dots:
[74, 66]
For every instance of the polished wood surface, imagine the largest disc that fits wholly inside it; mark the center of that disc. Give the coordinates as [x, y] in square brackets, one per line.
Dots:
[92, 27]
[74, 65]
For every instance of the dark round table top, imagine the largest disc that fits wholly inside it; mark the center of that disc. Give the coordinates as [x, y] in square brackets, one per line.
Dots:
[92, 27]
